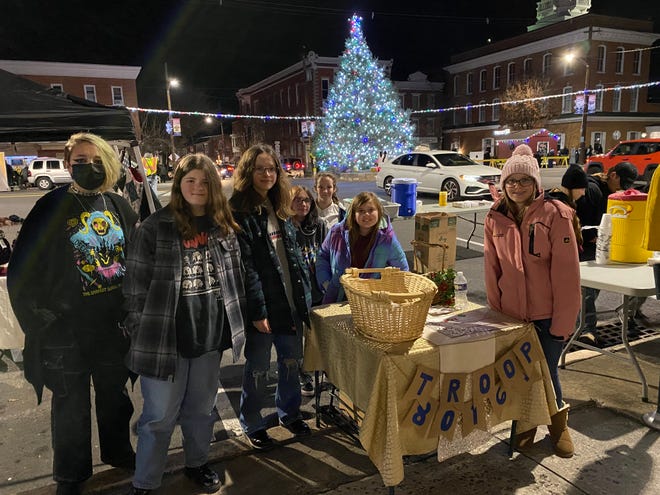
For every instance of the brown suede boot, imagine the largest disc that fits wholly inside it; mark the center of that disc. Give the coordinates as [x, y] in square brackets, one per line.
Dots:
[524, 438]
[559, 434]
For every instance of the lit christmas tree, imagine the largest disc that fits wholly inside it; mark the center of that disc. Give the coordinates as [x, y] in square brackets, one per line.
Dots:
[363, 114]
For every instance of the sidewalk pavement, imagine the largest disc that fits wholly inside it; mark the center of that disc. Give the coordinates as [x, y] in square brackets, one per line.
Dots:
[616, 453]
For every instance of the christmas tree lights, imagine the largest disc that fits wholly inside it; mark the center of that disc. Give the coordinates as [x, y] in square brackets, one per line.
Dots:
[362, 114]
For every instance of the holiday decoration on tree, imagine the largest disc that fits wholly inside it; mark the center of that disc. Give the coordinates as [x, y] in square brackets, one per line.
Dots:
[362, 114]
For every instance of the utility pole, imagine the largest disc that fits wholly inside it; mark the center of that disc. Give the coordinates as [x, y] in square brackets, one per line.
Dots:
[585, 104]
[168, 84]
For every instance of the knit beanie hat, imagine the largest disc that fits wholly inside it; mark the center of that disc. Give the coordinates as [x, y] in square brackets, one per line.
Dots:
[521, 162]
[574, 178]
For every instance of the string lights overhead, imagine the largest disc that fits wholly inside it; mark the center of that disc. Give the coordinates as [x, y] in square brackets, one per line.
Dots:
[414, 112]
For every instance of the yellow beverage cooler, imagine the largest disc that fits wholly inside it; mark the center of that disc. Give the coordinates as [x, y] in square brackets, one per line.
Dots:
[628, 210]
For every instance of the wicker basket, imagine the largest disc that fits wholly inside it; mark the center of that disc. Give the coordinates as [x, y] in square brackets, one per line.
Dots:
[392, 308]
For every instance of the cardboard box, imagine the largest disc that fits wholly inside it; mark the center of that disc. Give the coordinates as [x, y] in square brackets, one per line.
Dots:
[430, 258]
[432, 228]
[435, 242]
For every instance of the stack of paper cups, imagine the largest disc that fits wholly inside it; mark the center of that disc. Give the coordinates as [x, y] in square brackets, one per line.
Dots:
[604, 239]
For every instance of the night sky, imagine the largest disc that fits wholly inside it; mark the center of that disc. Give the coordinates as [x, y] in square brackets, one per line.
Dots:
[216, 47]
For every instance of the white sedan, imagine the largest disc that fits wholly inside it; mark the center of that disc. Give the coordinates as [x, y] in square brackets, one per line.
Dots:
[439, 170]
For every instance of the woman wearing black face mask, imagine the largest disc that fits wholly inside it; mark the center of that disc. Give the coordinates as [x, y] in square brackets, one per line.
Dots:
[64, 281]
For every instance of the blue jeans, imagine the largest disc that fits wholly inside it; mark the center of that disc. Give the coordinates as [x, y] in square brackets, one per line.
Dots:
[257, 362]
[552, 348]
[188, 400]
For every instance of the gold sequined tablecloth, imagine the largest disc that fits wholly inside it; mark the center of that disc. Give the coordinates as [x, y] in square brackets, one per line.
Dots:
[376, 375]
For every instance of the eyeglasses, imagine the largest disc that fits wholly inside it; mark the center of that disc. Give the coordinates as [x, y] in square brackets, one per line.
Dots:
[265, 170]
[302, 200]
[524, 182]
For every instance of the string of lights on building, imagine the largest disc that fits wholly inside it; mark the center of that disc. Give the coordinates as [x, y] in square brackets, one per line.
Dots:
[414, 112]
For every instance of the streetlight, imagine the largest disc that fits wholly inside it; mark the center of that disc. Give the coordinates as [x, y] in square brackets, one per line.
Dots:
[568, 58]
[170, 83]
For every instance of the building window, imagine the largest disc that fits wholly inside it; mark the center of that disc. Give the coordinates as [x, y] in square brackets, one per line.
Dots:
[482, 111]
[637, 62]
[497, 75]
[599, 97]
[415, 123]
[547, 64]
[619, 60]
[325, 88]
[511, 73]
[90, 92]
[117, 95]
[57, 87]
[455, 85]
[455, 117]
[600, 58]
[568, 68]
[567, 100]
[468, 84]
[297, 93]
[468, 113]
[482, 80]
[430, 127]
[288, 96]
[403, 100]
[415, 101]
[430, 101]
[496, 109]
[634, 135]
[634, 99]
[616, 99]
[527, 67]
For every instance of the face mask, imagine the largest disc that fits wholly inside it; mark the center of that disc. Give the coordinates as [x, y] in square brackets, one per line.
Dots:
[89, 176]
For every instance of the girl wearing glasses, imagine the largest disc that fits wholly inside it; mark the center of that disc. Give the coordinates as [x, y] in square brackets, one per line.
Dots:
[278, 293]
[532, 272]
[364, 239]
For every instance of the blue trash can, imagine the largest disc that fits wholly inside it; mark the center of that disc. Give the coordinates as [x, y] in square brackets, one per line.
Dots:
[404, 192]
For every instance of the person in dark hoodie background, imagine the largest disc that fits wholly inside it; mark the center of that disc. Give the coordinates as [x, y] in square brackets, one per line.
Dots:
[572, 188]
[310, 232]
[64, 281]
[590, 209]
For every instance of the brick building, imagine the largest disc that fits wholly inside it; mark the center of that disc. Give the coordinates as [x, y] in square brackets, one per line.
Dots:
[301, 89]
[105, 84]
[616, 52]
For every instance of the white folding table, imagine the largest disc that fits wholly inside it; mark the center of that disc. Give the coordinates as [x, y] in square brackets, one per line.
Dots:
[629, 280]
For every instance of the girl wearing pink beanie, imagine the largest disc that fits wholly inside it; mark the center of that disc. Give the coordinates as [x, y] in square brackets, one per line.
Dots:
[532, 273]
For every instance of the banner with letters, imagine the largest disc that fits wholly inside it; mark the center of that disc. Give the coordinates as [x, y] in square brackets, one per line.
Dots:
[442, 403]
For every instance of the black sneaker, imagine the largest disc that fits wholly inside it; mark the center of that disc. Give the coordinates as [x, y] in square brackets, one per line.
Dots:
[259, 440]
[298, 428]
[205, 477]
[307, 389]
[139, 491]
[587, 337]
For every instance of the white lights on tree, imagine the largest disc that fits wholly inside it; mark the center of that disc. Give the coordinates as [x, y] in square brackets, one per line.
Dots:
[362, 114]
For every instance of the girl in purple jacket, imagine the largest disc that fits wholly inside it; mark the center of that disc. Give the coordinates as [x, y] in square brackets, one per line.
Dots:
[532, 272]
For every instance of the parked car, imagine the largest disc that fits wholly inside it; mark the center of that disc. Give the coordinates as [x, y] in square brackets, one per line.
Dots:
[439, 170]
[45, 172]
[294, 167]
[644, 154]
[225, 171]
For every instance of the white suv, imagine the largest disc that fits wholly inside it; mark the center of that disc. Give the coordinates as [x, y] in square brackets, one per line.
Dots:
[44, 172]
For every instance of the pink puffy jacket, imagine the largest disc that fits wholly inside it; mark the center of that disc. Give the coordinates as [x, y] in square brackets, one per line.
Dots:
[532, 272]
